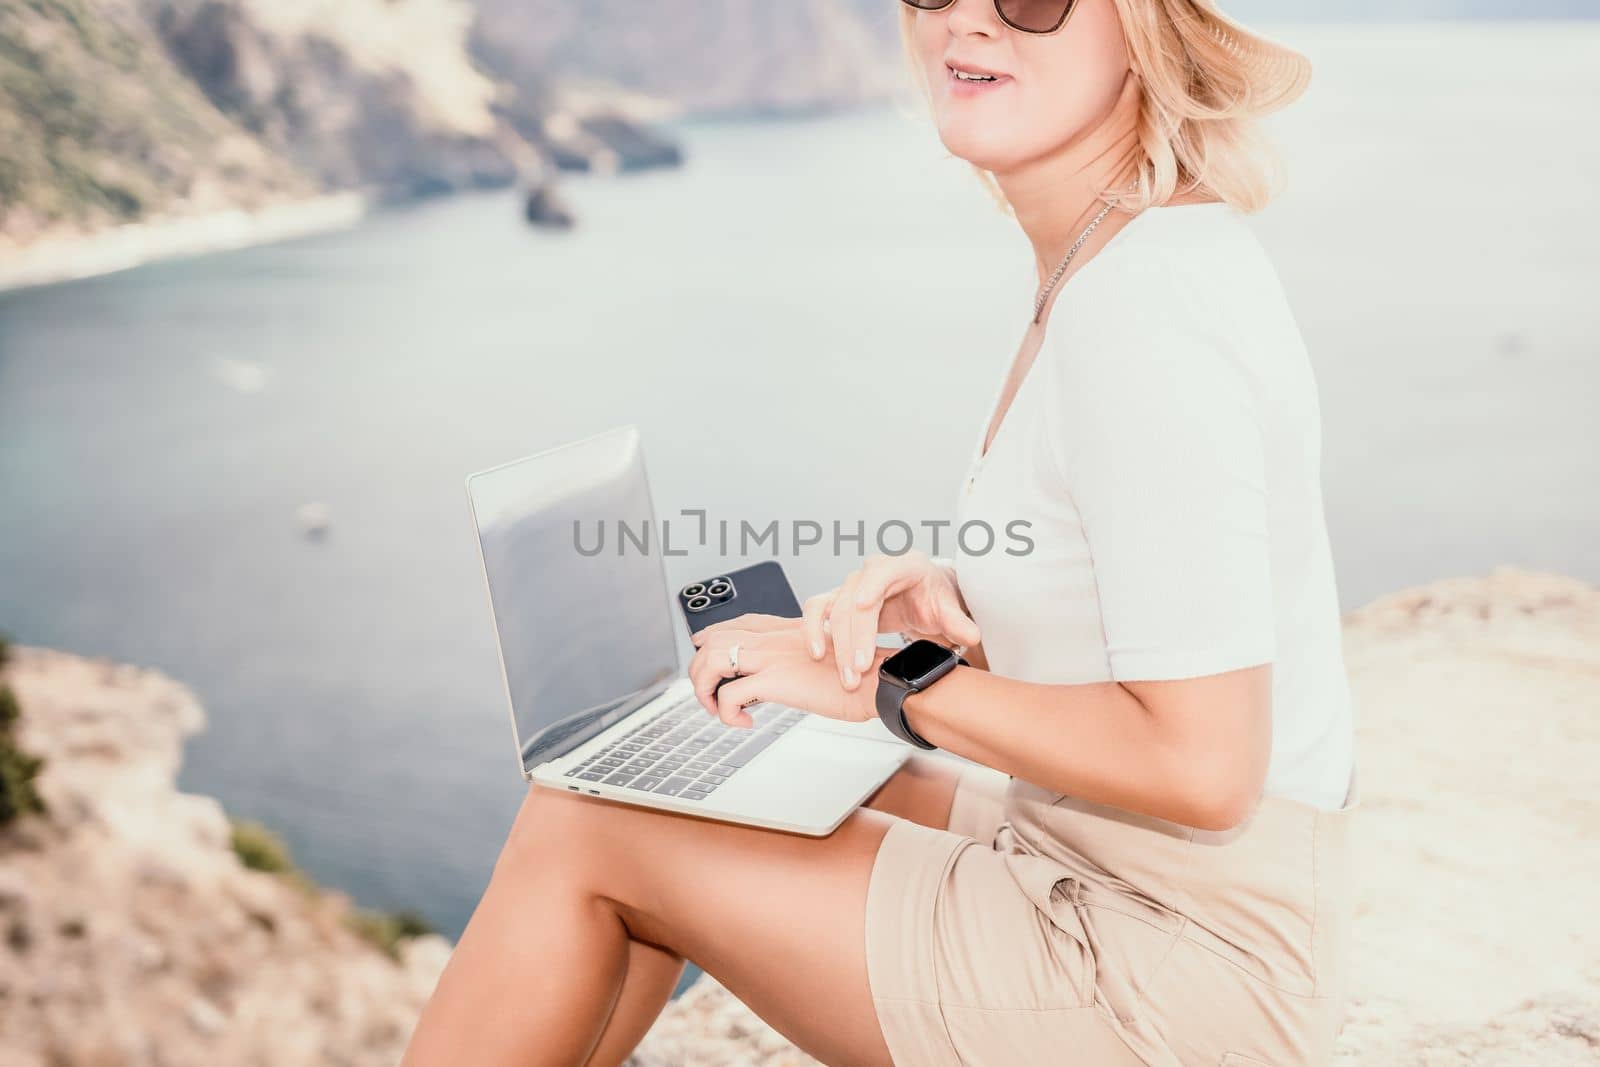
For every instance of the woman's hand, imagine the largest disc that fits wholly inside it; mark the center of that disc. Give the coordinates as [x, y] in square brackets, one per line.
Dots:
[909, 593]
[773, 665]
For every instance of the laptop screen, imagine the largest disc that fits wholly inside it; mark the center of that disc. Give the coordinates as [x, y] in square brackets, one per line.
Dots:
[577, 588]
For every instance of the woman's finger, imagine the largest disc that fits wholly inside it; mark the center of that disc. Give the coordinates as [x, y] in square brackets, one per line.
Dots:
[840, 621]
[954, 622]
[884, 576]
[733, 698]
[812, 614]
[713, 663]
[863, 640]
[881, 577]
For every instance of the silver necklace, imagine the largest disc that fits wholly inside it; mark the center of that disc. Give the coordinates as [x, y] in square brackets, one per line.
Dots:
[1049, 286]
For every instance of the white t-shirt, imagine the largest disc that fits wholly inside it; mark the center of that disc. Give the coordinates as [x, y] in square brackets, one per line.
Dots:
[1164, 449]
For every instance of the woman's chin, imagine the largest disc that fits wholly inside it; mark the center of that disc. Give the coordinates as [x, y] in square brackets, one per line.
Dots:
[978, 149]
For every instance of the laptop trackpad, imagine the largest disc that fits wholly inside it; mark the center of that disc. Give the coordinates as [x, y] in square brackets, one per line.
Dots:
[871, 730]
[811, 781]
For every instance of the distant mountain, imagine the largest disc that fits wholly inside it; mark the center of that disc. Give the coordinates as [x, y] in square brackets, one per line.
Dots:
[708, 55]
[117, 111]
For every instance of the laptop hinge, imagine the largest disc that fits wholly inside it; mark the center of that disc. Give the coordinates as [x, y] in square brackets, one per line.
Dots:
[570, 755]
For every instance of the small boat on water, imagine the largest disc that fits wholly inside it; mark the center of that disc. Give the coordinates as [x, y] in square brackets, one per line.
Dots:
[314, 519]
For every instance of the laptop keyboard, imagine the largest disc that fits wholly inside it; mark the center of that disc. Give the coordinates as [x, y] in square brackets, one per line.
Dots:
[683, 752]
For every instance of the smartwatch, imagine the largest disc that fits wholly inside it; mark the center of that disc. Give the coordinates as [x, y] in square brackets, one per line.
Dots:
[911, 670]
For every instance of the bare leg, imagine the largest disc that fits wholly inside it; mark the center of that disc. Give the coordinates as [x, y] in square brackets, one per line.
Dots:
[587, 889]
[647, 986]
[920, 791]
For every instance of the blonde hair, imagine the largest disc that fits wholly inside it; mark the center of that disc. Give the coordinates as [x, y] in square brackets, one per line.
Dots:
[1204, 82]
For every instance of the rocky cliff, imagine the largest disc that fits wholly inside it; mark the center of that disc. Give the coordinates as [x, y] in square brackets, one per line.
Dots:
[360, 92]
[99, 127]
[135, 936]
[133, 933]
[119, 111]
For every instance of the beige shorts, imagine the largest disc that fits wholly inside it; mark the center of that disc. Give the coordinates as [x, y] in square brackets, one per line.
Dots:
[1038, 929]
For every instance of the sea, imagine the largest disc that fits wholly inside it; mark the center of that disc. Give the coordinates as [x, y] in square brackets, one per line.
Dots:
[246, 469]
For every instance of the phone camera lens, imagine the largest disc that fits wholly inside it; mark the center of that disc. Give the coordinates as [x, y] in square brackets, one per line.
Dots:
[699, 602]
[694, 589]
[718, 588]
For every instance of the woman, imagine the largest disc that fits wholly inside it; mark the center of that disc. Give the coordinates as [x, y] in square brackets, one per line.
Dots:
[1148, 862]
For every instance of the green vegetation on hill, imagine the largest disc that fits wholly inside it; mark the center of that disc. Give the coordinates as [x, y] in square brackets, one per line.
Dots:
[259, 849]
[18, 769]
[98, 127]
[388, 930]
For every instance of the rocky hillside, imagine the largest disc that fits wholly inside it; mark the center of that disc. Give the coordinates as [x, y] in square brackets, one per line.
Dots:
[134, 935]
[97, 126]
[360, 92]
[116, 111]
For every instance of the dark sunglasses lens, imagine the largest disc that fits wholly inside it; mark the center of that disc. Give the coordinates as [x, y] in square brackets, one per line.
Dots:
[1035, 16]
[928, 5]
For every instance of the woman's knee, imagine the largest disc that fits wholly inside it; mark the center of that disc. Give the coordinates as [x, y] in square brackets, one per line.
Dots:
[921, 790]
[554, 832]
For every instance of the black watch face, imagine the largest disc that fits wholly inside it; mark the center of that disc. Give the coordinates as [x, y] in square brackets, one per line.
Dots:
[915, 660]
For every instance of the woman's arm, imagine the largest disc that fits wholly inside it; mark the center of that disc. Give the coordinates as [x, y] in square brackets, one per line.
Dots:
[1192, 750]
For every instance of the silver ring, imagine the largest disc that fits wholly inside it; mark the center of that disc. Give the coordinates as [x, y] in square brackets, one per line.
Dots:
[733, 657]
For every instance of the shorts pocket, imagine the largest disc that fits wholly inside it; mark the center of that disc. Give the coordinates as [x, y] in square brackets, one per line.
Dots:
[1076, 951]
[1130, 953]
[995, 950]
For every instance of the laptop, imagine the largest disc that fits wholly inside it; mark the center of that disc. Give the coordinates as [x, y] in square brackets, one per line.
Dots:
[590, 653]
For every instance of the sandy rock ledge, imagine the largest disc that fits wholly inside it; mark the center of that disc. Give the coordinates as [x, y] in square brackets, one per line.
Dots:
[133, 934]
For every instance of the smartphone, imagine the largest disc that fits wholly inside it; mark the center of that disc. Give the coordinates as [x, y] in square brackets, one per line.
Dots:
[761, 587]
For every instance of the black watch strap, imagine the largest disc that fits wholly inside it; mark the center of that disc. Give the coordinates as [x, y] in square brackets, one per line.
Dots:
[891, 700]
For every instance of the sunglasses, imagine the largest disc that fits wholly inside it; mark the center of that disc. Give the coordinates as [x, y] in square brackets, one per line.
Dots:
[1028, 16]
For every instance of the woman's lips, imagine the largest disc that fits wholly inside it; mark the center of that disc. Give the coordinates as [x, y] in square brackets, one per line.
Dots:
[963, 87]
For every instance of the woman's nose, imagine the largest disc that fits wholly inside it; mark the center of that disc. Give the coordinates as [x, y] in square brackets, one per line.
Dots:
[973, 16]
